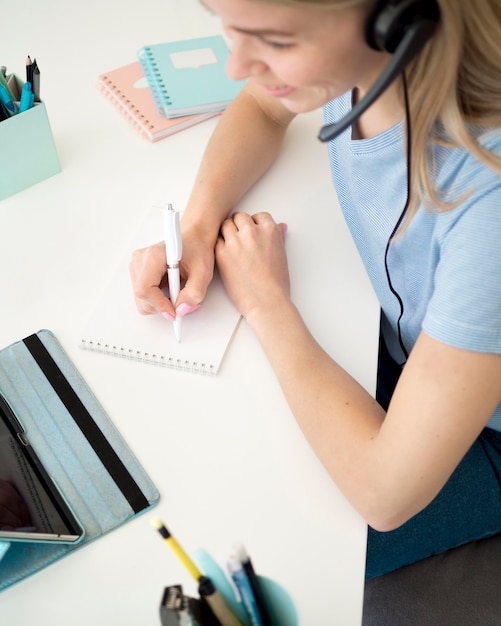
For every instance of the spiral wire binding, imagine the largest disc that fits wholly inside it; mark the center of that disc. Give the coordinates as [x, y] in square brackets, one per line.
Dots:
[146, 357]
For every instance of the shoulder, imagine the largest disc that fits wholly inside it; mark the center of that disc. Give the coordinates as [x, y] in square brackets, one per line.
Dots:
[255, 97]
[457, 171]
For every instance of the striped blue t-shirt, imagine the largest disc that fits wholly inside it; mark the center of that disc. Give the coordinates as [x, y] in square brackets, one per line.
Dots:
[446, 267]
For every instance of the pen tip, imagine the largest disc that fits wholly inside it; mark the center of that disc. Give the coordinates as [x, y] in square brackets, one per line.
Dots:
[240, 552]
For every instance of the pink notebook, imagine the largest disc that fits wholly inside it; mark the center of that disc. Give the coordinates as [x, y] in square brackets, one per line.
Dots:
[128, 90]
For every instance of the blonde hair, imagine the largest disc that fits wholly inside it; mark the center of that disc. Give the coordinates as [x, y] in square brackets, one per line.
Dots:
[455, 80]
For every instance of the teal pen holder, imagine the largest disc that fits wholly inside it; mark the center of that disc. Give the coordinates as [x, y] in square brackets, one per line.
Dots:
[280, 605]
[27, 150]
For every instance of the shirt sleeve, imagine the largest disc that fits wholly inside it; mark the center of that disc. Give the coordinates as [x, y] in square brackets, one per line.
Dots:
[465, 307]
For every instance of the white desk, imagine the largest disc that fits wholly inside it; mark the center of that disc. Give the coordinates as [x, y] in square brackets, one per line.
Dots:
[225, 452]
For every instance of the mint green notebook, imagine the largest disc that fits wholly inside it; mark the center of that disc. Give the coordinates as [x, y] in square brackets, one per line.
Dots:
[189, 76]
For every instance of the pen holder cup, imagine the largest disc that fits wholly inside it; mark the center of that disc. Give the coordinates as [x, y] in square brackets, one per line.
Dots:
[281, 608]
[28, 153]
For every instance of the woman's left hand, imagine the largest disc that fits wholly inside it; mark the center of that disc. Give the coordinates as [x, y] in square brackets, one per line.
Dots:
[250, 254]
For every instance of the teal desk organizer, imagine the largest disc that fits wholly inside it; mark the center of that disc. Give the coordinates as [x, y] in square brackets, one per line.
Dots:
[27, 150]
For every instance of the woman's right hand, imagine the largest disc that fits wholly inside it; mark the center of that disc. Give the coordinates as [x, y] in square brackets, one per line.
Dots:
[148, 272]
[244, 144]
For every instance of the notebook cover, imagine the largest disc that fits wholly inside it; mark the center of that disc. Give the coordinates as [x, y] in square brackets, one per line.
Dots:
[127, 89]
[189, 76]
[78, 444]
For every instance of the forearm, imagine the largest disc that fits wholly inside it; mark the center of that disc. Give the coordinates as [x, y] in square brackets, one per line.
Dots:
[244, 144]
[340, 420]
[389, 466]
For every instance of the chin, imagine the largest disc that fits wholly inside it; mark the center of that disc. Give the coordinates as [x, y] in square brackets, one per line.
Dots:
[301, 107]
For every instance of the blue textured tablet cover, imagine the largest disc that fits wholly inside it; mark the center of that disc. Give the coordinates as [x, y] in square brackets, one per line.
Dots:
[78, 444]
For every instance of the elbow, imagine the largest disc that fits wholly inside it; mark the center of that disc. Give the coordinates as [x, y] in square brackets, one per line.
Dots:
[385, 524]
[393, 500]
[391, 514]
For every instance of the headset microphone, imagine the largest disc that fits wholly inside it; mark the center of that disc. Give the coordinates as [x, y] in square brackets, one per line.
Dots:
[414, 39]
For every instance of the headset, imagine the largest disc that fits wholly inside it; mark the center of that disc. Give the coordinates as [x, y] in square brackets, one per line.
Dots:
[400, 27]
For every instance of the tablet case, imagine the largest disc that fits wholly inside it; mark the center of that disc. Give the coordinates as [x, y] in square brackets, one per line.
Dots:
[78, 444]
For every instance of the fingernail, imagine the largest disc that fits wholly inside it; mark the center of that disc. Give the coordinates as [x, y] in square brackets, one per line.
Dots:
[168, 316]
[184, 309]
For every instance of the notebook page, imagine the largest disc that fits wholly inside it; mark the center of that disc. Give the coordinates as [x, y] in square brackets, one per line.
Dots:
[116, 327]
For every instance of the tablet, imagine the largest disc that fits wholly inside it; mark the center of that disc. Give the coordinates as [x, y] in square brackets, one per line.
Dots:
[32, 507]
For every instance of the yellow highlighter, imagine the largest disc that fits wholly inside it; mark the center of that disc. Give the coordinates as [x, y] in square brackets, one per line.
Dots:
[206, 588]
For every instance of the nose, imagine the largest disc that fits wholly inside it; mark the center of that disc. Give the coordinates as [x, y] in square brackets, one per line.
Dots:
[243, 61]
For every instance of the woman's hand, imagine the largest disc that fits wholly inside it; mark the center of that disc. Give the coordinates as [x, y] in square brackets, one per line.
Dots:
[13, 510]
[250, 254]
[148, 272]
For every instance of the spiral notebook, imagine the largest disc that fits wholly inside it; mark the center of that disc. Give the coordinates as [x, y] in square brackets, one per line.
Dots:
[189, 76]
[127, 89]
[116, 328]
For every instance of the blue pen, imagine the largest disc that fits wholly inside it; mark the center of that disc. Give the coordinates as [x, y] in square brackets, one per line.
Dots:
[242, 583]
[7, 101]
[27, 97]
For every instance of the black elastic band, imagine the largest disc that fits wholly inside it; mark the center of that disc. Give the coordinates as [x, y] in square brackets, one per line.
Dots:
[87, 425]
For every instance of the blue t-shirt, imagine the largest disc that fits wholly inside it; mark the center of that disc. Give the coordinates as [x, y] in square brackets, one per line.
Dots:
[446, 267]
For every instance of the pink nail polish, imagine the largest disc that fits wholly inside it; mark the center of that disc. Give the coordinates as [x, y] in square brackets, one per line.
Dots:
[184, 309]
[168, 316]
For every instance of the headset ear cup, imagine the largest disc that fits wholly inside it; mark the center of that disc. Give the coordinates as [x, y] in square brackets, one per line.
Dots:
[375, 26]
[388, 28]
[390, 19]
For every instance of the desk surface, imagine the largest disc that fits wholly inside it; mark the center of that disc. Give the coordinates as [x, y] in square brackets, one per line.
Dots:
[225, 452]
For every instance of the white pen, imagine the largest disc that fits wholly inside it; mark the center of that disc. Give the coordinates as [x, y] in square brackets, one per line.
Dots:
[173, 251]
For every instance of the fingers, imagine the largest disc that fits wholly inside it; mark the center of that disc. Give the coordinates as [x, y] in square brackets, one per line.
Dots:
[148, 266]
[238, 222]
[193, 293]
[147, 271]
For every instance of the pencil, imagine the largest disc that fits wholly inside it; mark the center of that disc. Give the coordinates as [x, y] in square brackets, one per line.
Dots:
[176, 548]
[205, 586]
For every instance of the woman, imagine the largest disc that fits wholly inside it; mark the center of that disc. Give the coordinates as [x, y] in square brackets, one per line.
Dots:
[420, 188]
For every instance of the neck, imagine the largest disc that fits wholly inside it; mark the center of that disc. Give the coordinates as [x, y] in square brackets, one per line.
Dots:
[383, 114]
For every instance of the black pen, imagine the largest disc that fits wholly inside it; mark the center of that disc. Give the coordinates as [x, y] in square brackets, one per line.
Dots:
[246, 562]
[29, 70]
[35, 73]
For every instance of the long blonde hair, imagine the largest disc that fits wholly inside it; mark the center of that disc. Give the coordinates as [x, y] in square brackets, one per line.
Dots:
[455, 80]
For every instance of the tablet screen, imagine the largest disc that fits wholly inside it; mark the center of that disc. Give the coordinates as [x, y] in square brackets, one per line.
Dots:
[31, 506]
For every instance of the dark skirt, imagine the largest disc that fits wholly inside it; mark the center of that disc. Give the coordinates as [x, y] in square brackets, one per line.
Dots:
[466, 509]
